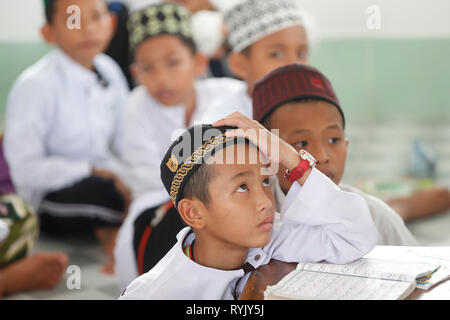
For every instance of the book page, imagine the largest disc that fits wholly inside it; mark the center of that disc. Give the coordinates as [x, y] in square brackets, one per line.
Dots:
[433, 255]
[307, 285]
[375, 268]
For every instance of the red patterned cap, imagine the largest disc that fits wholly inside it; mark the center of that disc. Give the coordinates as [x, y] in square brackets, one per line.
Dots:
[289, 83]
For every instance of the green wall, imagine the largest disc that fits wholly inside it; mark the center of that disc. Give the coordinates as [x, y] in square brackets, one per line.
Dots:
[374, 79]
[393, 78]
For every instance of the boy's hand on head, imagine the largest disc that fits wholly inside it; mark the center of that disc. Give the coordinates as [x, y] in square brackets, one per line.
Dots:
[272, 146]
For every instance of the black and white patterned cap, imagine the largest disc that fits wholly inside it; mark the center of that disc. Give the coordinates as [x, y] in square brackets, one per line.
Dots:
[155, 20]
[252, 20]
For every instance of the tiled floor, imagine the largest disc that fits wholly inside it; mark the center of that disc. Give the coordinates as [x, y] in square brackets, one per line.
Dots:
[376, 150]
[88, 256]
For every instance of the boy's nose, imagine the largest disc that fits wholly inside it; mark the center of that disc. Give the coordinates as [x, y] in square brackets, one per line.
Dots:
[321, 155]
[264, 202]
[87, 26]
[161, 77]
[294, 58]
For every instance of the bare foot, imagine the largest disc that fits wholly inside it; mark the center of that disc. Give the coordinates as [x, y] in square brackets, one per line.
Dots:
[108, 268]
[38, 271]
[107, 238]
[422, 203]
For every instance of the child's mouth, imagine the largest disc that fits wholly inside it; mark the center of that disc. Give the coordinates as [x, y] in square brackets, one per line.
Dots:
[164, 95]
[89, 44]
[266, 224]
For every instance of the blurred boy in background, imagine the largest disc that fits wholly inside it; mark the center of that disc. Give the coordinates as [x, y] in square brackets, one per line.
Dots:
[62, 126]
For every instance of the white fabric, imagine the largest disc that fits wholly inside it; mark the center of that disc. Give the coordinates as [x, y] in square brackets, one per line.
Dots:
[391, 227]
[149, 130]
[239, 101]
[322, 223]
[60, 122]
[207, 31]
[4, 230]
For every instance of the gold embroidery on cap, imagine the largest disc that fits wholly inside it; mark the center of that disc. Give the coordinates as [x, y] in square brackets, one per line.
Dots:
[195, 157]
[172, 163]
[170, 24]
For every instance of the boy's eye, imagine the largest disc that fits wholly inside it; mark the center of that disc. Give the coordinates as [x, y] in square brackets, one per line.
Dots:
[276, 54]
[333, 140]
[173, 62]
[96, 16]
[303, 54]
[301, 144]
[146, 68]
[242, 188]
[266, 182]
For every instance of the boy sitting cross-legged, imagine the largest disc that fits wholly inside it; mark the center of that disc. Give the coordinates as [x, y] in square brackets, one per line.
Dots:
[62, 126]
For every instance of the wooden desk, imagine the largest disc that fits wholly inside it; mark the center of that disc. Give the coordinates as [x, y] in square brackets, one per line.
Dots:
[274, 271]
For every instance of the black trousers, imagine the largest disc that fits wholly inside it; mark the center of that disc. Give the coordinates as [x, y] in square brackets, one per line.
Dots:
[155, 232]
[91, 203]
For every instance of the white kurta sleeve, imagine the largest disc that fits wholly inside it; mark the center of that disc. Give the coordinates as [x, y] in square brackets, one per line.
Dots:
[28, 122]
[322, 222]
[140, 153]
[121, 90]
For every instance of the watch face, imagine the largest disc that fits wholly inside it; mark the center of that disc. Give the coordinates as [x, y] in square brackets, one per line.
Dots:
[305, 155]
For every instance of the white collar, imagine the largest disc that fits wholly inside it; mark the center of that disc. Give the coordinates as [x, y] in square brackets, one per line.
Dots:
[185, 237]
[73, 71]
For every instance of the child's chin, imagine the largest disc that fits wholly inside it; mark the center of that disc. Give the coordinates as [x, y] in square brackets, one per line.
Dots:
[169, 102]
[264, 241]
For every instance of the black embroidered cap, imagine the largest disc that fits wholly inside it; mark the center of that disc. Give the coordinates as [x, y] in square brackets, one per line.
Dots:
[154, 20]
[188, 153]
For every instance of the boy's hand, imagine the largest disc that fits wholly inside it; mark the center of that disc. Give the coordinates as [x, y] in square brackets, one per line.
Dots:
[285, 154]
[118, 183]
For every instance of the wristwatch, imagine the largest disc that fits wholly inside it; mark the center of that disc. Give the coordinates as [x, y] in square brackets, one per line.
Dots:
[307, 161]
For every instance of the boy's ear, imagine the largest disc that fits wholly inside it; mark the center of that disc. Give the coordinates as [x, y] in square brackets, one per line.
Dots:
[347, 142]
[238, 63]
[191, 212]
[114, 22]
[201, 64]
[47, 34]
[134, 72]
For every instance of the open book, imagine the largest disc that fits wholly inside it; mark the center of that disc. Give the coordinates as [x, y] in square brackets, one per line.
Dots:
[387, 273]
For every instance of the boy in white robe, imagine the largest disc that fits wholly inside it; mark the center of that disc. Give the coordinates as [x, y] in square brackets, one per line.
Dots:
[62, 127]
[229, 206]
[169, 99]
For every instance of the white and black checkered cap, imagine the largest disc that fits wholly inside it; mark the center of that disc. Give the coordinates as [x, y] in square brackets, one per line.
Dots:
[251, 20]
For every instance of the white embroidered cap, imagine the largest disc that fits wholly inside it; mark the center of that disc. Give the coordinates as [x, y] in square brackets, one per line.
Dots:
[252, 20]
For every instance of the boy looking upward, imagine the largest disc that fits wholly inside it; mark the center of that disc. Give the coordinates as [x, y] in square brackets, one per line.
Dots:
[233, 226]
[170, 97]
